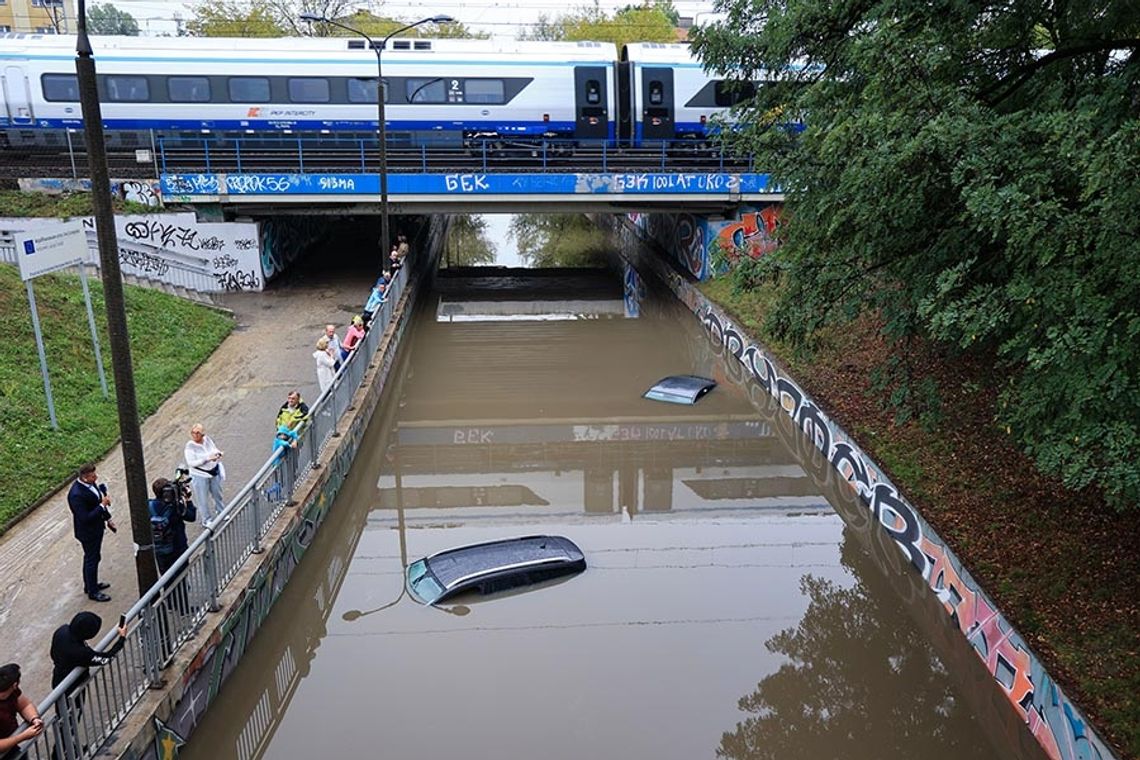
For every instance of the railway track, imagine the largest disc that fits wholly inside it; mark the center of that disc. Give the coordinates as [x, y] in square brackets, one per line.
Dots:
[126, 164]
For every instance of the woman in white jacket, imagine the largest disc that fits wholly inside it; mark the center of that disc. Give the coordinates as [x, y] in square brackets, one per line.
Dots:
[207, 473]
[326, 363]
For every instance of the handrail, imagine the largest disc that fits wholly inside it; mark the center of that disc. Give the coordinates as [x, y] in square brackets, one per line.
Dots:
[83, 711]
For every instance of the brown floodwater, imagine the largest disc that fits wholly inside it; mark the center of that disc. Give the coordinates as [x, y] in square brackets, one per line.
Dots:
[737, 602]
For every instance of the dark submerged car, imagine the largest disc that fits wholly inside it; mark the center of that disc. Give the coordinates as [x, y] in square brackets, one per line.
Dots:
[493, 566]
[680, 389]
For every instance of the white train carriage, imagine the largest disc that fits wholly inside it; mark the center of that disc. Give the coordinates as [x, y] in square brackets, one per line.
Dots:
[665, 94]
[439, 91]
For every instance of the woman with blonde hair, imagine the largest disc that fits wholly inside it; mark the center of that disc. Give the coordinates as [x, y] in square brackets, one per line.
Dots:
[326, 363]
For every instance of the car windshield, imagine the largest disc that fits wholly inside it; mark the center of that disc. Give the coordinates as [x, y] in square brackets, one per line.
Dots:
[680, 389]
[422, 583]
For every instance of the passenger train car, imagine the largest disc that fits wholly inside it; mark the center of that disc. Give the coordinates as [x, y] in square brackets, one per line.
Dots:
[439, 91]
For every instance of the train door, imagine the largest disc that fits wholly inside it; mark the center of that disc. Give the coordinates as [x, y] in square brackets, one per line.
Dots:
[625, 100]
[590, 103]
[16, 96]
[657, 115]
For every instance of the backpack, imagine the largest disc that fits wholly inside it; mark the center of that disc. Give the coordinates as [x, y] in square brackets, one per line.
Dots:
[160, 530]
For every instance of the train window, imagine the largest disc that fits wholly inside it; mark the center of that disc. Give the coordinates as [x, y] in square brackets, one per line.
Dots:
[656, 93]
[362, 91]
[60, 87]
[593, 91]
[126, 89]
[426, 90]
[484, 91]
[188, 89]
[308, 90]
[249, 90]
[729, 93]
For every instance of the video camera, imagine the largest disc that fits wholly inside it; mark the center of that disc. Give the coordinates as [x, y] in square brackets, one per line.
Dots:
[178, 490]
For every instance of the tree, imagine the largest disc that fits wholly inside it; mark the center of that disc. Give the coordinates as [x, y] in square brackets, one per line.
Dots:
[467, 243]
[107, 19]
[967, 186]
[559, 240]
[226, 18]
[281, 18]
[645, 23]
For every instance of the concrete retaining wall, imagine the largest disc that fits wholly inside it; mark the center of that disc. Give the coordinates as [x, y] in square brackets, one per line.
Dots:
[1025, 687]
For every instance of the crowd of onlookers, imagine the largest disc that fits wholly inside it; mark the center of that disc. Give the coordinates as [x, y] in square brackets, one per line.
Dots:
[197, 487]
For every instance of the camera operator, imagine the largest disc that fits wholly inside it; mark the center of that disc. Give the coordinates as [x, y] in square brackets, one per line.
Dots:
[170, 510]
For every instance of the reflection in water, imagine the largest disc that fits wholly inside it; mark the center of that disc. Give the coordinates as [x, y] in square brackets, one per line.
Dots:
[854, 678]
[699, 524]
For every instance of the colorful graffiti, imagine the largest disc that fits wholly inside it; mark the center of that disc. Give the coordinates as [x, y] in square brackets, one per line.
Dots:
[1053, 720]
[692, 239]
[753, 235]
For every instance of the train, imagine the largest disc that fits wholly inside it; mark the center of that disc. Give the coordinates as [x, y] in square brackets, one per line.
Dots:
[439, 92]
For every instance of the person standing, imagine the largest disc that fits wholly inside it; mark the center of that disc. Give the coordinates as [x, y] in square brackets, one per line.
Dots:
[13, 706]
[352, 338]
[334, 343]
[207, 473]
[169, 513]
[88, 503]
[326, 364]
[294, 413]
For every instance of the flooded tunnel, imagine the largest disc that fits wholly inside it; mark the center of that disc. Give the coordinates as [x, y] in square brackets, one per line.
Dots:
[736, 603]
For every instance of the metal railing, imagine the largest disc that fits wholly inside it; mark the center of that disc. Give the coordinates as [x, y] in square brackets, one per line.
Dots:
[84, 710]
[320, 154]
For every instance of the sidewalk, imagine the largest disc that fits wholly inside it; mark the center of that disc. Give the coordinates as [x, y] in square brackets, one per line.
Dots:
[235, 395]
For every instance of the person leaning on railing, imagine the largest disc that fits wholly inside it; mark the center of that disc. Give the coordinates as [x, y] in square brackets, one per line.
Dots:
[13, 706]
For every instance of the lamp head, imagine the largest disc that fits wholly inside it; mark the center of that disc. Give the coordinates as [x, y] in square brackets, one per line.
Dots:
[442, 19]
[311, 17]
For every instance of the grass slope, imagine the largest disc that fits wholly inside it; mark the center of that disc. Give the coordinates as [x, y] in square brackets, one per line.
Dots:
[170, 337]
[1061, 565]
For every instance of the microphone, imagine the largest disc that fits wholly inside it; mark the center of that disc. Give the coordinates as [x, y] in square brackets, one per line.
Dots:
[103, 488]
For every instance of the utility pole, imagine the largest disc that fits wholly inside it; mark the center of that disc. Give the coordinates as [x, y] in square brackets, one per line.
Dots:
[129, 430]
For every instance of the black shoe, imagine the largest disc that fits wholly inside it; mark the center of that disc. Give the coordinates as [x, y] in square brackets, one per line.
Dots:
[99, 596]
[102, 586]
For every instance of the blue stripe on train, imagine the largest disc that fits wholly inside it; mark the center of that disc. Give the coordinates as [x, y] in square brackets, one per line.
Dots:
[279, 125]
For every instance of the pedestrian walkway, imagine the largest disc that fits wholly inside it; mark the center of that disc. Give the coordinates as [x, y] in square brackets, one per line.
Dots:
[235, 395]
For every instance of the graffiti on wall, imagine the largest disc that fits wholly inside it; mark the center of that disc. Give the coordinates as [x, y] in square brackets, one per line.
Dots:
[752, 235]
[147, 192]
[284, 239]
[177, 248]
[691, 239]
[1053, 720]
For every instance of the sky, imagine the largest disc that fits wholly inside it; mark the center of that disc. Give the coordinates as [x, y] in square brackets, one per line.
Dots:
[499, 18]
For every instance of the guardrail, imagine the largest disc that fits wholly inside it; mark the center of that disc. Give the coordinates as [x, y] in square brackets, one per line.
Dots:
[348, 154]
[84, 710]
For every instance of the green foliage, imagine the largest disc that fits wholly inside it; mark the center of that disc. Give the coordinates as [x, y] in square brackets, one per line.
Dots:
[169, 339]
[281, 18]
[232, 18]
[646, 23]
[467, 243]
[68, 205]
[107, 19]
[969, 184]
[559, 240]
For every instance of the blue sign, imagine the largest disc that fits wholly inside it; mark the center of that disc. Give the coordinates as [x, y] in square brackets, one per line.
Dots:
[469, 184]
[29, 247]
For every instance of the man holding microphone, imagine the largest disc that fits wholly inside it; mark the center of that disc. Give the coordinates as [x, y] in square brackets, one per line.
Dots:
[88, 503]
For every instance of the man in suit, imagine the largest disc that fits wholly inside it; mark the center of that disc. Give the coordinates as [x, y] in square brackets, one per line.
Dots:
[88, 503]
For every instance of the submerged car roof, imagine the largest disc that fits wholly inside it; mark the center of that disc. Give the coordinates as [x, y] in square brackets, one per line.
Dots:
[454, 565]
[680, 389]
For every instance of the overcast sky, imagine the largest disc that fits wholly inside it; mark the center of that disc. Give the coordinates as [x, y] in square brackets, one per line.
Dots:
[499, 18]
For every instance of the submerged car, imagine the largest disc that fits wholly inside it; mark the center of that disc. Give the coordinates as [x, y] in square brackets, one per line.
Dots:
[493, 566]
[680, 389]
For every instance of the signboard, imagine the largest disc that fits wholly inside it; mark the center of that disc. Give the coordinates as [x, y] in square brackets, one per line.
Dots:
[50, 248]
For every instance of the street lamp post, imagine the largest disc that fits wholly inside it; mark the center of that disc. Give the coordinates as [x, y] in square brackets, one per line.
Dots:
[381, 92]
[129, 430]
